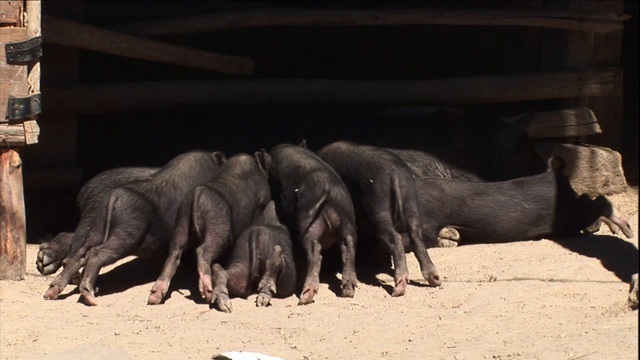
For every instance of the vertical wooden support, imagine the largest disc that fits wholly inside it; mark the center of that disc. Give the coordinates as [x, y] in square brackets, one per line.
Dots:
[13, 227]
[564, 49]
[13, 231]
[609, 109]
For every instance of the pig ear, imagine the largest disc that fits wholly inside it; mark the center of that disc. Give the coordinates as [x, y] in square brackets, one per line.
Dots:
[303, 143]
[555, 163]
[219, 158]
[264, 160]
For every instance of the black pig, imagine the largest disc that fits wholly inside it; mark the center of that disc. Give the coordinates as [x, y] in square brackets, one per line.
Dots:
[385, 197]
[262, 261]
[136, 219]
[525, 208]
[213, 216]
[317, 207]
[54, 253]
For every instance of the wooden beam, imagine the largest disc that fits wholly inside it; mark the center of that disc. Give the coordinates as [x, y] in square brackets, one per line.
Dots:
[599, 23]
[101, 98]
[13, 230]
[560, 123]
[19, 134]
[70, 33]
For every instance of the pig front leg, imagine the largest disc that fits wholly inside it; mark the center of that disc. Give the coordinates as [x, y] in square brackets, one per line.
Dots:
[267, 286]
[73, 264]
[52, 253]
[448, 237]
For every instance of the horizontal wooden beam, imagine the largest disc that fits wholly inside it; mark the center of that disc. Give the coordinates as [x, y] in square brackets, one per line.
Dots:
[69, 33]
[124, 97]
[584, 21]
[560, 123]
[19, 134]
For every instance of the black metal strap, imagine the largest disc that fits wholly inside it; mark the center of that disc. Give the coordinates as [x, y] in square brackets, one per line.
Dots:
[24, 51]
[22, 108]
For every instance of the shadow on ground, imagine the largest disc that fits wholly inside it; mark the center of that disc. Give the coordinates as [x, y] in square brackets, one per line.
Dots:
[615, 254]
[141, 271]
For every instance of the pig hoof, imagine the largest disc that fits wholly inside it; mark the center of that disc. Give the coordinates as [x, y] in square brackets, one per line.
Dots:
[398, 291]
[307, 295]
[401, 286]
[46, 262]
[88, 298]
[632, 300]
[446, 243]
[158, 291]
[223, 303]
[449, 233]
[263, 300]
[206, 291]
[52, 293]
[434, 280]
[155, 298]
[348, 290]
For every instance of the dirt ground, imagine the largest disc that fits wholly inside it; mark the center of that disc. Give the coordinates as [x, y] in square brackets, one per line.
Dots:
[545, 299]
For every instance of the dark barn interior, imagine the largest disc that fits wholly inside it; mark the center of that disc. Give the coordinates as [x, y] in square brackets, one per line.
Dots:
[81, 135]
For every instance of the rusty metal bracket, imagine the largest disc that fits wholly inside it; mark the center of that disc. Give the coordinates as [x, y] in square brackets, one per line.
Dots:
[22, 108]
[24, 51]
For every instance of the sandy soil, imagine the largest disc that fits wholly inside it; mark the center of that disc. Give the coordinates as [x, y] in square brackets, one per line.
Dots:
[546, 299]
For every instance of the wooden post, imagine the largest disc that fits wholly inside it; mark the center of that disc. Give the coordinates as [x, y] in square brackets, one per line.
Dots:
[607, 49]
[13, 231]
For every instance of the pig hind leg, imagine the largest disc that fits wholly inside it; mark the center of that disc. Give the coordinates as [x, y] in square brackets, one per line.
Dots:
[220, 292]
[310, 242]
[393, 241]
[427, 267]
[176, 248]
[349, 278]
[207, 253]
[117, 246]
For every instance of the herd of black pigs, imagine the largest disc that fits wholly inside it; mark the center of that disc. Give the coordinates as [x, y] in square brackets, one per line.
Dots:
[260, 223]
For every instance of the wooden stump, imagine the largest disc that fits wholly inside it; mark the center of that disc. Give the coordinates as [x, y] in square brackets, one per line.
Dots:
[13, 235]
[592, 170]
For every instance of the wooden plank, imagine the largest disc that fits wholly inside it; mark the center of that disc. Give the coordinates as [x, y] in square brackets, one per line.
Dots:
[560, 123]
[13, 78]
[13, 232]
[15, 135]
[10, 13]
[100, 98]
[70, 33]
[600, 23]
